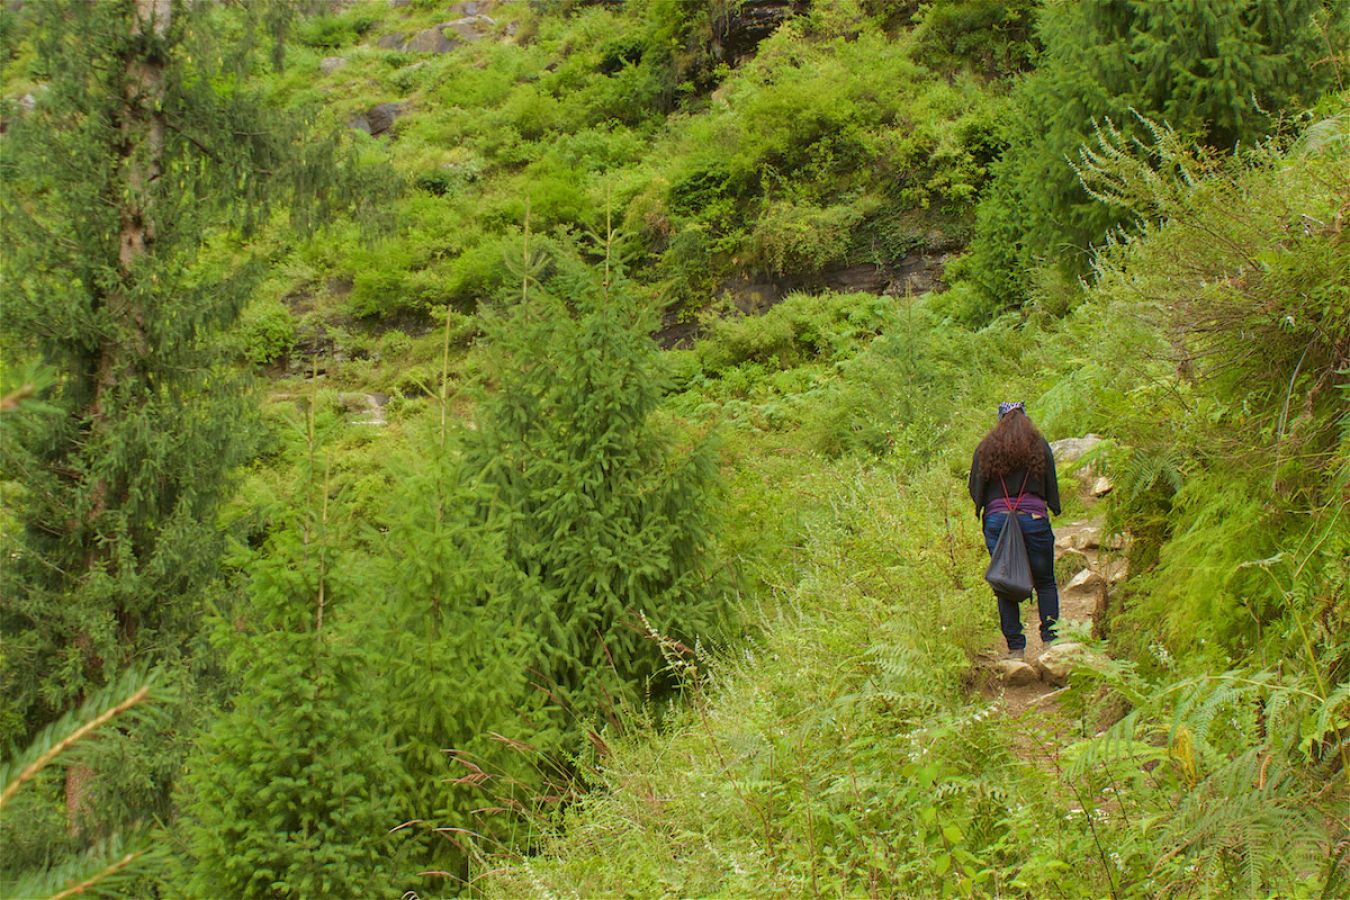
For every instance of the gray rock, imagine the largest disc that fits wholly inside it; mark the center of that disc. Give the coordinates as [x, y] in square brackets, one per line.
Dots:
[1015, 672]
[1086, 581]
[367, 409]
[1116, 571]
[1070, 450]
[471, 28]
[1055, 664]
[1089, 538]
[392, 41]
[1087, 590]
[738, 33]
[431, 40]
[28, 102]
[351, 402]
[1102, 486]
[376, 120]
[396, 4]
[382, 116]
[330, 64]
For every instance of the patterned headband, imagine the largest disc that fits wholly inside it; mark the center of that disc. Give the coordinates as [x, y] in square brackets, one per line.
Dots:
[1005, 408]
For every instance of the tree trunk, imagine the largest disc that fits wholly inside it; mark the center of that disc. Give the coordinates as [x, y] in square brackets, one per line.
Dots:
[142, 128]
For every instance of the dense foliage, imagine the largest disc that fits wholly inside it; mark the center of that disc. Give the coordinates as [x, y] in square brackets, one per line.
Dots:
[145, 143]
[448, 579]
[1220, 73]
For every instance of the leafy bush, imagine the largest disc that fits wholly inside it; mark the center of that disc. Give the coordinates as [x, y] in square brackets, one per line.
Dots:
[267, 332]
[803, 239]
[1037, 210]
[332, 32]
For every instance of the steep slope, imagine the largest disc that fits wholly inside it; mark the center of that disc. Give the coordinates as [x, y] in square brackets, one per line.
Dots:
[848, 751]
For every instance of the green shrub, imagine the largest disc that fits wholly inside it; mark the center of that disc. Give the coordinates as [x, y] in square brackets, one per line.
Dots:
[607, 527]
[393, 345]
[332, 32]
[994, 37]
[267, 332]
[794, 238]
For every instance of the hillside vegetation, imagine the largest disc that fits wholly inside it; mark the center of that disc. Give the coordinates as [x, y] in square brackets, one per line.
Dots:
[520, 448]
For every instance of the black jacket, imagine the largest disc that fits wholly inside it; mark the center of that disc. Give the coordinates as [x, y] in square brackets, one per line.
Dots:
[985, 491]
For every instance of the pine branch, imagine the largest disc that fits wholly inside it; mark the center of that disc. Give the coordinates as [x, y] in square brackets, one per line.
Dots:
[103, 871]
[113, 701]
[102, 875]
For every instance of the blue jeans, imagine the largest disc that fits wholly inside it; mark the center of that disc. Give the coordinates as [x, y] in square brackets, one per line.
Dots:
[1040, 542]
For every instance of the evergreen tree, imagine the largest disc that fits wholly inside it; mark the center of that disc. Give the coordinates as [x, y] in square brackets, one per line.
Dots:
[1221, 72]
[291, 793]
[605, 520]
[143, 146]
[455, 648]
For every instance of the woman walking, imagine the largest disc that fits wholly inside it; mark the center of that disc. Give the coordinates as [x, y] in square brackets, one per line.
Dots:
[1013, 472]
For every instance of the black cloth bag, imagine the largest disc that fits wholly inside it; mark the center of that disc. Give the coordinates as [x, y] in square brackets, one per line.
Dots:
[1009, 572]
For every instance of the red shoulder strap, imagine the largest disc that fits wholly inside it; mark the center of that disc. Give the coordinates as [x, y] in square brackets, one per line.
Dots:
[1020, 492]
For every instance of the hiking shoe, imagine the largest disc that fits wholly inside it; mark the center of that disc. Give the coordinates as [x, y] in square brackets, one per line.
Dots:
[1017, 654]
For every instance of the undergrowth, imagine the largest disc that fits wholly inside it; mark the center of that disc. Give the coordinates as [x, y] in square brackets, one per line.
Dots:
[845, 751]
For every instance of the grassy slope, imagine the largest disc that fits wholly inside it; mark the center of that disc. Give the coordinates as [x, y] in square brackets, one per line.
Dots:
[843, 752]
[840, 749]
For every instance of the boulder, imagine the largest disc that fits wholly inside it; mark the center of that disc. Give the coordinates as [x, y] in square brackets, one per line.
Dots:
[376, 120]
[431, 40]
[351, 402]
[1087, 587]
[737, 33]
[471, 28]
[1070, 450]
[330, 64]
[1102, 486]
[1059, 659]
[391, 41]
[1088, 538]
[1084, 580]
[1015, 672]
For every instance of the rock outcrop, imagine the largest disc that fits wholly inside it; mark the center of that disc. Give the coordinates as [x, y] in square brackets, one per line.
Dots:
[470, 26]
[376, 120]
[738, 33]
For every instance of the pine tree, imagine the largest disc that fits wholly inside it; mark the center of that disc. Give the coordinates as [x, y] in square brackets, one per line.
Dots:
[291, 793]
[455, 677]
[143, 146]
[1218, 71]
[605, 519]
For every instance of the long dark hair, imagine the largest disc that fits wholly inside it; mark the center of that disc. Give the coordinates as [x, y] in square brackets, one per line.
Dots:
[1012, 444]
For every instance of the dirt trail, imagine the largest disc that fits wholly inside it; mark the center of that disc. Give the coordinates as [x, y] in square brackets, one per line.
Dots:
[1032, 709]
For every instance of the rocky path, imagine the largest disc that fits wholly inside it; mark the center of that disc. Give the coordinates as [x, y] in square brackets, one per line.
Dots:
[1025, 692]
